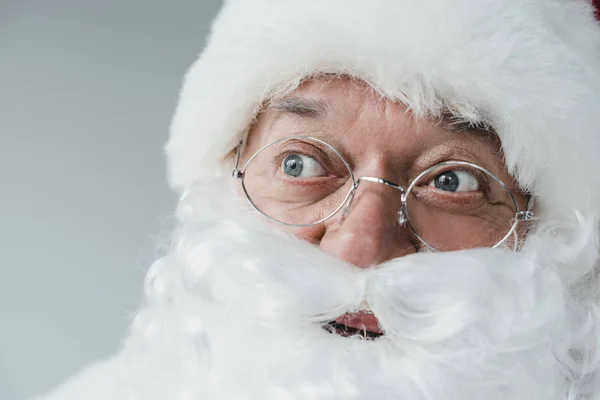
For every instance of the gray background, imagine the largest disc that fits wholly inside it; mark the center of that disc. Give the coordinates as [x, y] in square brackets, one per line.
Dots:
[87, 89]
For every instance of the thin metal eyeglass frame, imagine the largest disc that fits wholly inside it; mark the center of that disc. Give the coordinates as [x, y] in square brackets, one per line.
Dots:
[520, 215]
[403, 214]
[236, 173]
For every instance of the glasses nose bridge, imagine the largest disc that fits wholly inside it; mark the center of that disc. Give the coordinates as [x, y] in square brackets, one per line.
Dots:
[382, 181]
[401, 214]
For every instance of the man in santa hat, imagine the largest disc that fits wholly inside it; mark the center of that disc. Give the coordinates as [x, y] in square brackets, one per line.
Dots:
[393, 199]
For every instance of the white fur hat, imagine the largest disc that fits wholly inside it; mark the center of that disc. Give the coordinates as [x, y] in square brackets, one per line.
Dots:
[530, 68]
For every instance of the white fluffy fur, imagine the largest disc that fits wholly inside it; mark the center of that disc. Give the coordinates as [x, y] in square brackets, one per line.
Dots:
[528, 67]
[235, 312]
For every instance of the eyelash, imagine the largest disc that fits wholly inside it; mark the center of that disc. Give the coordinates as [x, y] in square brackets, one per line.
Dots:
[482, 179]
[325, 161]
[321, 158]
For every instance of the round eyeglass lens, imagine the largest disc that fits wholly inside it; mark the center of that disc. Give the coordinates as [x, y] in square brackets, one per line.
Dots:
[458, 205]
[297, 181]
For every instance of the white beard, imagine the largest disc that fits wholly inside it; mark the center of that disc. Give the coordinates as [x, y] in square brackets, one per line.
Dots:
[236, 312]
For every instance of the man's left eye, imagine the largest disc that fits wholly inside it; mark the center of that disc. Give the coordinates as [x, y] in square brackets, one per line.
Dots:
[455, 181]
[301, 166]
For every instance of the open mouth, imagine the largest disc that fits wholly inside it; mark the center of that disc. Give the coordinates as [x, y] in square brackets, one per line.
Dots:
[363, 325]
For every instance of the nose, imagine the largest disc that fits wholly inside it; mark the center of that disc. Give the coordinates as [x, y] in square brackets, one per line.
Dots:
[369, 232]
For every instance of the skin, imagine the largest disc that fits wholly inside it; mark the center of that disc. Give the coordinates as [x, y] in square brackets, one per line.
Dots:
[379, 138]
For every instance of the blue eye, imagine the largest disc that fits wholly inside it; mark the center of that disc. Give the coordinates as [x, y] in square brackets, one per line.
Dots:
[300, 166]
[455, 181]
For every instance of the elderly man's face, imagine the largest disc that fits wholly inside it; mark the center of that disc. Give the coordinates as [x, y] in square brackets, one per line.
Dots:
[454, 207]
[307, 315]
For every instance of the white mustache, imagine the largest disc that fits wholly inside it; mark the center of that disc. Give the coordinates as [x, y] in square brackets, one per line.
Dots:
[471, 323]
[298, 282]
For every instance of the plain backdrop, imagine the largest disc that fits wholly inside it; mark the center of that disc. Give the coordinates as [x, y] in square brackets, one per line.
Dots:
[87, 89]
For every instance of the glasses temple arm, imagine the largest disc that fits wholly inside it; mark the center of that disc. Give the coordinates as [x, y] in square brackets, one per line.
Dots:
[236, 173]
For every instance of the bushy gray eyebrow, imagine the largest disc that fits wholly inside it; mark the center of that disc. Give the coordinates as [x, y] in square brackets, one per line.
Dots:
[454, 123]
[301, 106]
[478, 129]
[318, 109]
[310, 108]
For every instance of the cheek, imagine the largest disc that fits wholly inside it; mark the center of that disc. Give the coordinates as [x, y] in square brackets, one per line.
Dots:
[311, 234]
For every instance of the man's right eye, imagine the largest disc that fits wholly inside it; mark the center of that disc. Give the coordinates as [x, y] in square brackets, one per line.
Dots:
[301, 166]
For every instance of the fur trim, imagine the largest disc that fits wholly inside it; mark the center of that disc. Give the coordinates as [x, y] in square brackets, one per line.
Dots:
[530, 68]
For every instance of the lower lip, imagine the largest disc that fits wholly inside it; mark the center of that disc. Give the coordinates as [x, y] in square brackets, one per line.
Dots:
[361, 320]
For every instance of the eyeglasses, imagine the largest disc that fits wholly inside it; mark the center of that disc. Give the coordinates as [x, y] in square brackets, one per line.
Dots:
[301, 181]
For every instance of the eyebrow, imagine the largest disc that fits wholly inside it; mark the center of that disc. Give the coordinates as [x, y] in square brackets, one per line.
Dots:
[310, 108]
[451, 122]
[455, 123]
[478, 129]
[301, 106]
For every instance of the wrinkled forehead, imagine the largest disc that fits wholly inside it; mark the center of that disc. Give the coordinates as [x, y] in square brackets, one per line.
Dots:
[348, 112]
